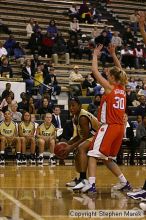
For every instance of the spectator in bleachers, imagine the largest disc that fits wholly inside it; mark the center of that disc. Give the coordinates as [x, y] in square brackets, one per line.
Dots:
[95, 13]
[94, 105]
[4, 28]
[35, 42]
[3, 51]
[103, 39]
[52, 29]
[134, 21]
[36, 26]
[140, 60]
[39, 79]
[132, 83]
[16, 116]
[74, 27]
[130, 96]
[23, 105]
[19, 53]
[47, 45]
[105, 71]
[90, 84]
[10, 44]
[141, 136]
[31, 106]
[141, 109]
[73, 47]
[45, 107]
[84, 13]
[5, 68]
[75, 76]
[127, 57]
[28, 74]
[128, 37]
[73, 11]
[94, 33]
[46, 136]
[84, 47]
[9, 101]
[56, 89]
[109, 32]
[76, 79]
[29, 27]
[6, 92]
[116, 40]
[4, 102]
[56, 117]
[35, 62]
[59, 49]
[142, 91]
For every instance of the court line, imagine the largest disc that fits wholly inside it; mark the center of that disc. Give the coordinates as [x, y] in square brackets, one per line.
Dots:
[19, 204]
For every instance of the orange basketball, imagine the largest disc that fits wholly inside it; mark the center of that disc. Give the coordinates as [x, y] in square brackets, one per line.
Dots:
[59, 149]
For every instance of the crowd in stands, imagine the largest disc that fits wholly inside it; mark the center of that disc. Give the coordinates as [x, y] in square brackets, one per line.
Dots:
[42, 77]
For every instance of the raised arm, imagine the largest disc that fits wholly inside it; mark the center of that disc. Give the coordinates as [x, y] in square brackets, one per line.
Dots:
[141, 20]
[95, 71]
[112, 51]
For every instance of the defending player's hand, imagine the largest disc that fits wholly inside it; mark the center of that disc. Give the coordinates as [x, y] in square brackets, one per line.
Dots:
[97, 50]
[141, 17]
[112, 49]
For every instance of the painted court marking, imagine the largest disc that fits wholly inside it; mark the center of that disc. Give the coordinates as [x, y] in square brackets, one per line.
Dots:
[19, 204]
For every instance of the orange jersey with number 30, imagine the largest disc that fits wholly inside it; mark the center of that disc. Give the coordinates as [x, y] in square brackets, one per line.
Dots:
[113, 106]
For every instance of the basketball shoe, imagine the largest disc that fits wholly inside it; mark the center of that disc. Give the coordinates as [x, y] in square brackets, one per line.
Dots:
[2, 159]
[73, 182]
[80, 185]
[40, 160]
[122, 187]
[137, 195]
[90, 189]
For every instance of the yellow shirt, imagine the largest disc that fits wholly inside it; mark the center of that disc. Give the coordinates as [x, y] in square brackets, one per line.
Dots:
[7, 130]
[39, 77]
[46, 131]
[27, 129]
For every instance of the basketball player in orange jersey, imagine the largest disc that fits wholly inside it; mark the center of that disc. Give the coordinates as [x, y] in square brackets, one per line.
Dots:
[109, 137]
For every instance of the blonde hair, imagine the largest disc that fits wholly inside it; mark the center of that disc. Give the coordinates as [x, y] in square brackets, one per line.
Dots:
[119, 75]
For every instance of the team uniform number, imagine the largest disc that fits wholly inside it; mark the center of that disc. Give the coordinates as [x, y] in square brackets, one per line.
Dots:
[119, 103]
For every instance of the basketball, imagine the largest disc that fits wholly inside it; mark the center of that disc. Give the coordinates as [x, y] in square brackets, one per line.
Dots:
[59, 148]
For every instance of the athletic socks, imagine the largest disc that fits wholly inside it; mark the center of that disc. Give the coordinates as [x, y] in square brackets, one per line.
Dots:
[82, 175]
[122, 179]
[92, 180]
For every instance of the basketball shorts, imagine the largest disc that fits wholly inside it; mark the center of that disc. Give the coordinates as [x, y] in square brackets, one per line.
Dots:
[107, 141]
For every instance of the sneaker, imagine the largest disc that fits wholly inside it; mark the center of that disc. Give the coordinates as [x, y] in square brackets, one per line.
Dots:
[2, 159]
[52, 161]
[80, 185]
[92, 189]
[18, 159]
[40, 160]
[138, 195]
[73, 183]
[23, 159]
[143, 206]
[32, 159]
[122, 187]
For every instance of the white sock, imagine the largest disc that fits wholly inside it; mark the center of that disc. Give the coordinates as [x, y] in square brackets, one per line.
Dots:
[122, 178]
[41, 155]
[92, 180]
[2, 152]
